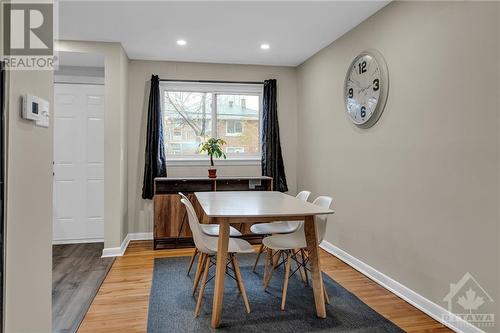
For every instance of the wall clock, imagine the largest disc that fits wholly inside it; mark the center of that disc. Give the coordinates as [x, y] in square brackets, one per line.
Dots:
[366, 87]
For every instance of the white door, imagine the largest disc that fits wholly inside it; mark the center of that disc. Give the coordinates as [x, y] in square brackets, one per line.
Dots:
[78, 163]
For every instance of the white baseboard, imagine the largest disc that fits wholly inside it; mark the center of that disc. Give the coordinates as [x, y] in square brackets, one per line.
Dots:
[77, 241]
[437, 312]
[116, 251]
[141, 236]
[119, 251]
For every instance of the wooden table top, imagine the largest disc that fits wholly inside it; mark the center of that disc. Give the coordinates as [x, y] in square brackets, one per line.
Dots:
[256, 204]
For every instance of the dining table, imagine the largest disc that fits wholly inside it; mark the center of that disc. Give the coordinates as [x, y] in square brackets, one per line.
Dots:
[236, 207]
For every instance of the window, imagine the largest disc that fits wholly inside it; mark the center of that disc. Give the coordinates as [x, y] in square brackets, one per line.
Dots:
[194, 112]
[234, 127]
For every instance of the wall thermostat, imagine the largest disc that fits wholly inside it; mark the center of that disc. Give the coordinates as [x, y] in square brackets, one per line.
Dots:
[36, 109]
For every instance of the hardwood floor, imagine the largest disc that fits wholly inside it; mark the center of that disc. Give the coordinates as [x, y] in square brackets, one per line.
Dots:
[77, 273]
[121, 304]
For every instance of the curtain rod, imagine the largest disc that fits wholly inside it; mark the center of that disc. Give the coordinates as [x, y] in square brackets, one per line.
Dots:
[210, 81]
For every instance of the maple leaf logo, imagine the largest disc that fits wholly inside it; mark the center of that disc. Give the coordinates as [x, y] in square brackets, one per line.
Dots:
[470, 301]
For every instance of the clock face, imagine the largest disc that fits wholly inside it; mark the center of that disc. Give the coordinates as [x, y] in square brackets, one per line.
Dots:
[365, 89]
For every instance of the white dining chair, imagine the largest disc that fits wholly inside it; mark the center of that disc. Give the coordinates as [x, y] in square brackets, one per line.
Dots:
[279, 227]
[285, 246]
[207, 246]
[210, 230]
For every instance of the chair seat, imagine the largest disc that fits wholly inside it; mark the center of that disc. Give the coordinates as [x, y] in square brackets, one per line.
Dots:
[236, 245]
[285, 242]
[281, 227]
[213, 230]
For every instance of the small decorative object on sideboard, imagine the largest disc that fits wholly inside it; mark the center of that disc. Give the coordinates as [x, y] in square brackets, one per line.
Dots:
[213, 148]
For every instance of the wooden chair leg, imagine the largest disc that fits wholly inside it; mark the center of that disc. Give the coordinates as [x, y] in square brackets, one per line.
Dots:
[302, 254]
[270, 274]
[192, 260]
[287, 275]
[199, 270]
[261, 249]
[266, 265]
[232, 257]
[240, 283]
[206, 264]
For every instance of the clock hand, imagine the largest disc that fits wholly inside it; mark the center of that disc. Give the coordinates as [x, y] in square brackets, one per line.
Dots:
[354, 81]
[363, 89]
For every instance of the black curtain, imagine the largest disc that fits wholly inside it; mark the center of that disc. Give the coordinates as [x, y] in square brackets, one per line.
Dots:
[155, 163]
[272, 161]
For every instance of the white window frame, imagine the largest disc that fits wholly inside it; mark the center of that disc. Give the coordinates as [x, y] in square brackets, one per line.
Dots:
[215, 89]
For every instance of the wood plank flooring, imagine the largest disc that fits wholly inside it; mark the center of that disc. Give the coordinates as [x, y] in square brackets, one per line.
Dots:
[121, 304]
[77, 273]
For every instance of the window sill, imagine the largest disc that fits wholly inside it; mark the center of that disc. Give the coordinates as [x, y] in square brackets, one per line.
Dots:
[229, 162]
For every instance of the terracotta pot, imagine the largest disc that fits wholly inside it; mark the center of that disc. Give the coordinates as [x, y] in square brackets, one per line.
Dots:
[212, 173]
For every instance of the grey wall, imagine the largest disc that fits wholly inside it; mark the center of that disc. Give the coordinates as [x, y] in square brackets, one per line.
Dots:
[28, 280]
[28, 232]
[140, 217]
[417, 195]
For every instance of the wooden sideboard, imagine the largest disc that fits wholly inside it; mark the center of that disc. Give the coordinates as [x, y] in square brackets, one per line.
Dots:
[171, 227]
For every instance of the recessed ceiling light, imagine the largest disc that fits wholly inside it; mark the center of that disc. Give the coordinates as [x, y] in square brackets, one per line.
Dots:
[264, 46]
[181, 42]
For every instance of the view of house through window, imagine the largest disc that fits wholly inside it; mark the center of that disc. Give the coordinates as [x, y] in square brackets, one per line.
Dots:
[191, 116]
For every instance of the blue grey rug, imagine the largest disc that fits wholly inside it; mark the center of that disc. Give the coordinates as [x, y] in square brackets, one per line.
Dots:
[171, 306]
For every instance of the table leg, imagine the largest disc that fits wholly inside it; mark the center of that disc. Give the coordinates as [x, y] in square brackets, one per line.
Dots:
[313, 253]
[220, 273]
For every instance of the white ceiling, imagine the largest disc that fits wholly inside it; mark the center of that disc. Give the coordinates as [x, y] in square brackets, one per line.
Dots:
[216, 31]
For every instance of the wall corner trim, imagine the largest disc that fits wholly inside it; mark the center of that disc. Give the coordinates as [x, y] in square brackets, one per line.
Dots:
[437, 312]
[119, 251]
[78, 241]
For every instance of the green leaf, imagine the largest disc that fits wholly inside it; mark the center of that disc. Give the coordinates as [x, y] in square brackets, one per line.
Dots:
[212, 147]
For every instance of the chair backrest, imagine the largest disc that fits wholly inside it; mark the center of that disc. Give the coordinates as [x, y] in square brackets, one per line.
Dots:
[320, 220]
[303, 195]
[194, 224]
[183, 196]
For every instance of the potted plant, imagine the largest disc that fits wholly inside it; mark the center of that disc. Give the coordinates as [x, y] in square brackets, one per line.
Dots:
[213, 148]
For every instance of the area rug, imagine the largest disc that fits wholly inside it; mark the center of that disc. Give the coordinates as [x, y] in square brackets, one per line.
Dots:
[171, 306]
